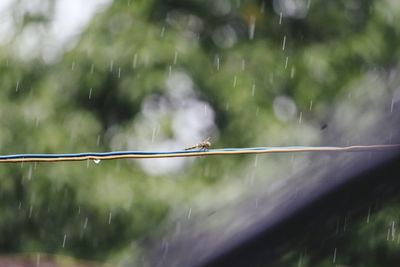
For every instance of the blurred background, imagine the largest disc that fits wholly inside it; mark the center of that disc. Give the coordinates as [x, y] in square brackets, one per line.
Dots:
[103, 75]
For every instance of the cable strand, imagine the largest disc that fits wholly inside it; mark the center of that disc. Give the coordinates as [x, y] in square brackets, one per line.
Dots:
[188, 153]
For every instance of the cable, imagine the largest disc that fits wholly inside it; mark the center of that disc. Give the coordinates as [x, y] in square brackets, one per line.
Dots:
[187, 153]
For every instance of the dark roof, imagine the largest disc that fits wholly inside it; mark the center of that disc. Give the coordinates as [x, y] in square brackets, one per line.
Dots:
[332, 183]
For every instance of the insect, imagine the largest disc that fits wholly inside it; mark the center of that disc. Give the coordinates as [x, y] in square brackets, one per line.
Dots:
[203, 145]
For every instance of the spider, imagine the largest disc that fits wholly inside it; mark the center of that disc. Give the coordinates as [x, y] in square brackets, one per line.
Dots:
[203, 145]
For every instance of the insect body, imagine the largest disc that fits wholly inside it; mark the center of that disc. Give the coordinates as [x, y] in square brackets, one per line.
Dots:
[203, 145]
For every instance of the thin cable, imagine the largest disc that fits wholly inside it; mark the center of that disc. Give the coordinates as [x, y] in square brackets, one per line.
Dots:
[187, 153]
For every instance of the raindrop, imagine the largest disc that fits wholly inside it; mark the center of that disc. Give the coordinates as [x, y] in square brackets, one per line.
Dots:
[134, 61]
[73, 65]
[284, 43]
[153, 135]
[280, 18]
[90, 93]
[262, 8]
[393, 231]
[30, 212]
[109, 218]
[19, 205]
[98, 140]
[391, 106]
[162, 31]
[311, 105]
[300, 260]
[165, 245]
[97, 161]
[175, 57]
[111, 65]
[189, 213]
[308, 4]
[257, 111]
[79, 210]
[252, 27]
[292, 72]
[234, 81]
[169, 70]
[271, 78]
[227, 106]
[30, 172]
[119, 73]
[253, 88]
[206, 170]
[17, 87]
[286, 62]
[64, 240]
[243, 64]
[301, 115]
[38, 260]
[217, 61]
[256, 161]
[85, 223]
[334, 256]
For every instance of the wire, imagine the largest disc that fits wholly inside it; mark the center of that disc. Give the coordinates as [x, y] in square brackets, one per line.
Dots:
[187, 153]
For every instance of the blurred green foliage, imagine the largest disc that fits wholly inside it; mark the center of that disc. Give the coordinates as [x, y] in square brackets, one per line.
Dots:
[96, 90]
